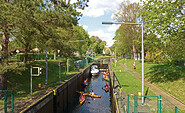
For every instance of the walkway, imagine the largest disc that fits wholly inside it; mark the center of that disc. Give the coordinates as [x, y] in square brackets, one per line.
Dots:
[158, 90]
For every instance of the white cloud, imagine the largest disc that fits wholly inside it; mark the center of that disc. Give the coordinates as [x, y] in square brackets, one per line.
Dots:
[85, 27]
[99, 7]
[100, 33]
[113, 27]
[103, 36]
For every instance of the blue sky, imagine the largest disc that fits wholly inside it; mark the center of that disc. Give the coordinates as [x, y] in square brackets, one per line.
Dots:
[97, 12]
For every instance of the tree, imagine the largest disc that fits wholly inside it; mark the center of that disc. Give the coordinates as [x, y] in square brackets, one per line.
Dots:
[97, 45]
[39, 23]
[164, 20]
[127, 35]
[81, 34]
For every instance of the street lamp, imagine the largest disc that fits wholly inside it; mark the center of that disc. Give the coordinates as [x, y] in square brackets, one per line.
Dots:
[141, 50]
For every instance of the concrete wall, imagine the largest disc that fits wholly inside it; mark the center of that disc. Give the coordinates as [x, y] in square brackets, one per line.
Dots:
[58, 100]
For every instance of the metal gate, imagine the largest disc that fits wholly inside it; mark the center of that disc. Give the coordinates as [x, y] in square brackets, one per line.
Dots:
[6, 101]
[151, 104]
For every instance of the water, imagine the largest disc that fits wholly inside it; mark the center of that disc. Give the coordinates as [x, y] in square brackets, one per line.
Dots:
[95, 105]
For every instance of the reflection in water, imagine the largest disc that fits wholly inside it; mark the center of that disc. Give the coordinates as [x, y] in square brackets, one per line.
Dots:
[95, 105]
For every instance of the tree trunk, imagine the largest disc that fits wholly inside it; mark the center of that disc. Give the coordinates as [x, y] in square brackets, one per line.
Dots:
[55, 55]
[3, 81]
[26, 55]
[3, 76]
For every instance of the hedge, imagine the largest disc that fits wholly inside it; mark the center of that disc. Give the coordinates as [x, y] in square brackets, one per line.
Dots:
[33, 56]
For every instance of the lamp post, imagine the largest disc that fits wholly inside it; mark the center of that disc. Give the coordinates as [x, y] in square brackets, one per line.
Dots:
[141, 50]
[115, 56]
[46, 65]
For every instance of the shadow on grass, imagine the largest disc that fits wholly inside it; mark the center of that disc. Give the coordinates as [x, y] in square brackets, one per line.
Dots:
[165, 73]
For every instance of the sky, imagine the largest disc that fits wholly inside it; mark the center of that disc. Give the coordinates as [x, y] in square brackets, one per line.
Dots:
[97, 12]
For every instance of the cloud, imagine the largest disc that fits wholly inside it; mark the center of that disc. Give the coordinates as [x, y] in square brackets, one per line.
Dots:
[113, 27]
[103, 36]
[85, 27]
[100, 7]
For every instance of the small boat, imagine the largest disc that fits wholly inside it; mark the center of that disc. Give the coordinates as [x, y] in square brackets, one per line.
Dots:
[105, 73]
[90, 95]
[94, 70]
[106, 88]
[105, 77]
[94, 96]
[81, 99]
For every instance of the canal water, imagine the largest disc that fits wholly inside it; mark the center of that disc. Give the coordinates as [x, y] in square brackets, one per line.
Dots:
[94, 105]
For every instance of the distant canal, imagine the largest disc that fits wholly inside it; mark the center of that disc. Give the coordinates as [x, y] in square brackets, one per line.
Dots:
[93, 105]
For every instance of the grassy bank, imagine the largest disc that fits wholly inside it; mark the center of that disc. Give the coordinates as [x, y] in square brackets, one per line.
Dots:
[21, 82]
[129, 83]
[168, 77]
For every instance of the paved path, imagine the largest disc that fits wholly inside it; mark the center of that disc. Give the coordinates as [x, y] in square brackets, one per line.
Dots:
[158, 90]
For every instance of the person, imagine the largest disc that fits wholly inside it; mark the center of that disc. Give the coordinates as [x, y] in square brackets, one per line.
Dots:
[92, 93]
[134, 64]
[85, 82]
[82, 96]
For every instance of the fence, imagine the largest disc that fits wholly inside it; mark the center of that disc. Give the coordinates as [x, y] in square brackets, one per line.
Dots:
[81, 63]
[152, 104]
[6, 101]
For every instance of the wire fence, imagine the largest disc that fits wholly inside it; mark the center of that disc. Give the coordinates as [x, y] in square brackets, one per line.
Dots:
[152, 104]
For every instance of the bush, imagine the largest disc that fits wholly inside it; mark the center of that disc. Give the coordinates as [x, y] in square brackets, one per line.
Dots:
[33, 56]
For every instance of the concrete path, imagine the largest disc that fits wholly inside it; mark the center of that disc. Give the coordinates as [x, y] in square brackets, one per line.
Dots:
[158, 90]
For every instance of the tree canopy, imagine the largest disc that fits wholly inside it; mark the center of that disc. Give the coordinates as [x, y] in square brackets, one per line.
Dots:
[37, 23]
[164, 25]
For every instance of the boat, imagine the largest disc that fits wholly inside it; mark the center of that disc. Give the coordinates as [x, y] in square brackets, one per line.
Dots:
[105, 73]
[94, 96]
[106, 88]
[105, 77]
[90, 95]
[94, 70]
[81, 99]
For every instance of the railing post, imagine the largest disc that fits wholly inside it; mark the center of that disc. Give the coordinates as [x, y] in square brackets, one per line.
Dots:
[5, 101]
[12, 100]
[128, 104]
[59, 71]
[175, 109]
[157, 104]
[160, 103]
[135, 104]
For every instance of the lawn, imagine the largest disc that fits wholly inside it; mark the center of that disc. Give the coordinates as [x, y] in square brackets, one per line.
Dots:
[21, 82]
[171, 78]
[129, 83]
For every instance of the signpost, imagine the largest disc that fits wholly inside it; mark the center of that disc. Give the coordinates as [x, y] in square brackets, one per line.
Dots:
[31, 74]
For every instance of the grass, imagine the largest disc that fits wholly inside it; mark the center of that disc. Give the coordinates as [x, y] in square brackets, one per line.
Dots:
[171, 78]
[129, 83]
[21, 82]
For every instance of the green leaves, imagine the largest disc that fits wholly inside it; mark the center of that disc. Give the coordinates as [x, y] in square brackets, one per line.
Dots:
[166, 21]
